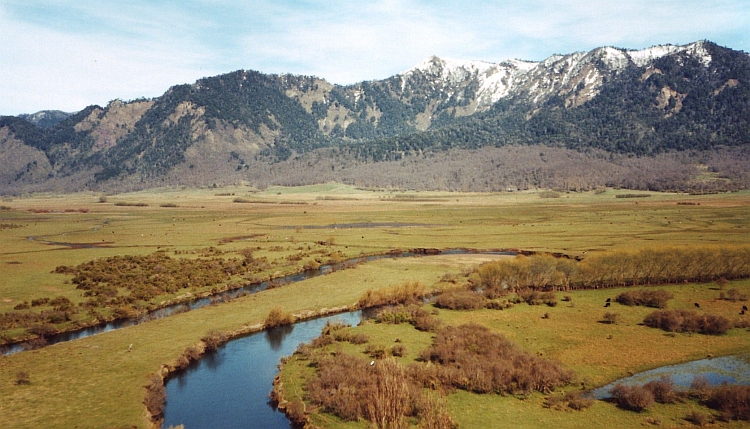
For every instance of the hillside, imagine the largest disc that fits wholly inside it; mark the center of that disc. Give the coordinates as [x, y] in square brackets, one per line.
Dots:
[665, 117]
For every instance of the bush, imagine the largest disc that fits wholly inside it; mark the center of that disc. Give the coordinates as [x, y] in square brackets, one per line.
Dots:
[23, 378]
[635, 398]
[37, 302]
[376, 351]
[295, 412]
[398, 350]
[573, 400]
[645, 297]
[688, 321]
[577, 402]
[413, 314]
[610, 318]
[352, 389]
[472, 358]
[433, 412]
[460, 300]
[535, 297]
[213, 339]
[697, 418]
[662, 390]
[732, 401]
[406, 293]
[278, 317]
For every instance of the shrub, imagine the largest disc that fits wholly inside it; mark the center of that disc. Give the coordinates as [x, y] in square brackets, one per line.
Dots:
[278, 317]
[732, 401]
[61, 303]
[645, 297]
[433, 412]
[213, 339]
[398, 350]
[295, 412]
[662, 390]
[535, 297]
[688, 321]
[573, 400]
[22, 377]
[635, 398]
[610, 318]
[391, 400]
[549, 194]
[472, 358]
[352, 389]
[460, 300]
[700, 387]
[22, 306]
[406, 293]
[697, 418]
[413, 314]
[39, 302]
[376, 351]
[577, 402]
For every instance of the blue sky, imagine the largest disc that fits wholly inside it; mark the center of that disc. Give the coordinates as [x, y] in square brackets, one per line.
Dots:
[67, 54]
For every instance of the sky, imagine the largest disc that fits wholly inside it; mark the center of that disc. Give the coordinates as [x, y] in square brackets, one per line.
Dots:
[68, 54]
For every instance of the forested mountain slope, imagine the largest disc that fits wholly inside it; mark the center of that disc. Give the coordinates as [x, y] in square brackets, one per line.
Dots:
[609, 103]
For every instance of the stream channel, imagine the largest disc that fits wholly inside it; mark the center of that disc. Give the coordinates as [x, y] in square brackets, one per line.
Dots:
[229, 388]
[228, 296]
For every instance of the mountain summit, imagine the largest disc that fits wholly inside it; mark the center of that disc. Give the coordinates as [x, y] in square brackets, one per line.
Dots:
[241, 126]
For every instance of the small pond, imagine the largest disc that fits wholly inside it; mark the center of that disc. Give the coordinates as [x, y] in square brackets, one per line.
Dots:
[727, 369]
[229, 388]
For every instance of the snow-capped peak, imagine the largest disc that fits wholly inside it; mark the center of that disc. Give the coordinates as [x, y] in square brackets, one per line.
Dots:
[644, 56]
[449, 69]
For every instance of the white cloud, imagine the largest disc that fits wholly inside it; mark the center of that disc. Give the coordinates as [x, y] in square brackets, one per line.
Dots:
[65, 55]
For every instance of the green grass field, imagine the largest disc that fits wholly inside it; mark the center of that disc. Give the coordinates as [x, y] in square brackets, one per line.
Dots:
[95, 382]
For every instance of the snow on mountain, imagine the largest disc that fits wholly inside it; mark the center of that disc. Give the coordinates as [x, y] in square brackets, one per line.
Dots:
[577, 77]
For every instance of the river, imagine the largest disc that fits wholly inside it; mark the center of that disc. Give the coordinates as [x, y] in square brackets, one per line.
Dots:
[229, 388]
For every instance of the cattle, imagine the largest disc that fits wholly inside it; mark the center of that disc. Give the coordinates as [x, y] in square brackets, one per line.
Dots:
[606, 305]
[697, 305]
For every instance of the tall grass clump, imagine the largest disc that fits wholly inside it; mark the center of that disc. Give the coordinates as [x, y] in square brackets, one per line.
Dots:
[278, 317]
[405, 293]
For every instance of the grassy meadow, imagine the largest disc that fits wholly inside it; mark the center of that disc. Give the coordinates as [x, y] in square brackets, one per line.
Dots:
[95, 382]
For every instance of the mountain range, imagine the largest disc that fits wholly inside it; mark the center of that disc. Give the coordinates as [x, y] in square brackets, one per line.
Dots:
[667, 118]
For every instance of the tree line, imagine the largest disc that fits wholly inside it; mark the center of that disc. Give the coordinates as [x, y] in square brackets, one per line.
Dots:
[614, 269]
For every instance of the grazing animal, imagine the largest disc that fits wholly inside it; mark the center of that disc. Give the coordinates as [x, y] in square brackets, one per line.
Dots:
[742, 313]
[609, 300]
[130, 347]
[744, 307]
[697, 305]
[606, 305]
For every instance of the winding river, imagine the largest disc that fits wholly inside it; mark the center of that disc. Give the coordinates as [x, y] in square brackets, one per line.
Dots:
[229, 388]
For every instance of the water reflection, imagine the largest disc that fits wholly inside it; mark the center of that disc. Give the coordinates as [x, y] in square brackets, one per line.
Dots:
[275, 336]
[229, 388]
